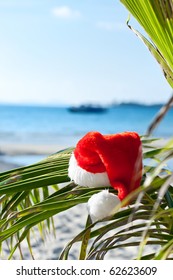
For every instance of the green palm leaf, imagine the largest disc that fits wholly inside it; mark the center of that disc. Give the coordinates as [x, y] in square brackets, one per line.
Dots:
[156, 17]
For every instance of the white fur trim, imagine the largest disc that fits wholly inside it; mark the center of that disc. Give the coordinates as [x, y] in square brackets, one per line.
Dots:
[85, 178]
[102, 205]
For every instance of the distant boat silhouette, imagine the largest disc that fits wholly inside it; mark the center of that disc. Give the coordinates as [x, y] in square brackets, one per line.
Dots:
[87, 109]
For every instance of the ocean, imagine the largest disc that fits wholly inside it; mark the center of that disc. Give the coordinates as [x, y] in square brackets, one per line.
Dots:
[57, 125]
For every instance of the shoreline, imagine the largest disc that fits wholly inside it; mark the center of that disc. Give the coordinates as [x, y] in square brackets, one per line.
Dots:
[12, 153]
[13, 149]
[5, 166]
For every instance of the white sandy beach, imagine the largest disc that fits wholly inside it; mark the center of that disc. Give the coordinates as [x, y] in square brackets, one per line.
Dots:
[9, 150]
[25, 149]
[67, 224]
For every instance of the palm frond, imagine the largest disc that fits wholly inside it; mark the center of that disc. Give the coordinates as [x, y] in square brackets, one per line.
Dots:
[156, 17]
[147, 222]
[30, 200]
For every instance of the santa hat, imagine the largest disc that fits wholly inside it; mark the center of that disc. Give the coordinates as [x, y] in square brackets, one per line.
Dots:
[108, 160]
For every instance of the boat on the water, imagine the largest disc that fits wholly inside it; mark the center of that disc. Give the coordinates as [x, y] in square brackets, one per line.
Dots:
[87, 109]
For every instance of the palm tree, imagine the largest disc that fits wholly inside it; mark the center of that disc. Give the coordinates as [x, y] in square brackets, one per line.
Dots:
[31, 196]
[156, 18]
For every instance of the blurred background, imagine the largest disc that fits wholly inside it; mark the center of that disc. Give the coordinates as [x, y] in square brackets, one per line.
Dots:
[60, 57]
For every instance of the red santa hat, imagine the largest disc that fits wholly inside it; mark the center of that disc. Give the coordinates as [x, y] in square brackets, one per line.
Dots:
[108, 160]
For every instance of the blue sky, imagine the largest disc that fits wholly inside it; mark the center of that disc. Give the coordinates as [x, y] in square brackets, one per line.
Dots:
[71, 52]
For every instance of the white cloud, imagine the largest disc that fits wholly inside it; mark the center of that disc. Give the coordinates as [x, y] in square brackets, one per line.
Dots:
[65, 12]
[111, 26]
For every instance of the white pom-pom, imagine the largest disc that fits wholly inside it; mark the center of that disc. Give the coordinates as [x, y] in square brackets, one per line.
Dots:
[102, 205]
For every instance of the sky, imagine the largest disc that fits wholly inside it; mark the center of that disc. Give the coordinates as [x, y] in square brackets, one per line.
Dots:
[74, 51]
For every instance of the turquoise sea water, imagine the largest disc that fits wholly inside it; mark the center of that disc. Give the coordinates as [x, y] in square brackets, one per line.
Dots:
[36, 124]
[56, 125]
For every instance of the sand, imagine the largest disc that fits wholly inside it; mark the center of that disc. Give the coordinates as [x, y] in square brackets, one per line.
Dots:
[67, 225]
[29, 149]
[43, 149]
